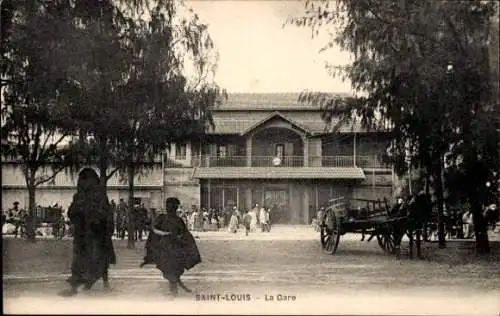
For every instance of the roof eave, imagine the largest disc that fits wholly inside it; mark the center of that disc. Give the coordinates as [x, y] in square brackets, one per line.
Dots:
[269, 117]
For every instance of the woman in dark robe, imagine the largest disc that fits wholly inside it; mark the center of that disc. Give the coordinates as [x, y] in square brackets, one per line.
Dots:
[171, 246]
[92, 219]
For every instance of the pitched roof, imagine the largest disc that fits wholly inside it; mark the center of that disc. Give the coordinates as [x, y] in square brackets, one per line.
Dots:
[279, 173]
[268, 101]
[275, 114]
[237, 122]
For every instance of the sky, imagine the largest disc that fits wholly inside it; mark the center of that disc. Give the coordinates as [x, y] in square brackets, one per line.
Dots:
[258, 55]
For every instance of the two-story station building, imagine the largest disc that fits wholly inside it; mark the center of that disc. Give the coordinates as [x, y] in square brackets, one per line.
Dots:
[264, 148]
[272, 150]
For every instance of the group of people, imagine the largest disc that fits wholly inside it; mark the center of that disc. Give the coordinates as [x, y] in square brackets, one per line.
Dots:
[138, 216]
[169, 246]
[201, 219]
[16, 217]
[251, 220]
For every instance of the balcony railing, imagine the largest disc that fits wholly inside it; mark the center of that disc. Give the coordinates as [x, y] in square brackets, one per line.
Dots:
[331, 161]
[210, 161]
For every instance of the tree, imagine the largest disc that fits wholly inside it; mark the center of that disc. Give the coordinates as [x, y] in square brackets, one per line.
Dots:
[423, 66]
[138, 105]
[36, 94]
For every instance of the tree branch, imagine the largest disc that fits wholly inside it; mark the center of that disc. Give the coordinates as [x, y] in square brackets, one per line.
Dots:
[47, 137]
[112, 173]
[46, 179]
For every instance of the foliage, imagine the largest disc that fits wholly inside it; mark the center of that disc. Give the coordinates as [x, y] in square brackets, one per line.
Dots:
[137, 97]
[423, 66]
[36, 95]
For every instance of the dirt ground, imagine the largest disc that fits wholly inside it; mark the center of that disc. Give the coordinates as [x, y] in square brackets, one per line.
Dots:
[246, 273]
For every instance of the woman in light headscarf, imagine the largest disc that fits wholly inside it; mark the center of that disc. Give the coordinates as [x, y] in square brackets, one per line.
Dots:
[92, 219]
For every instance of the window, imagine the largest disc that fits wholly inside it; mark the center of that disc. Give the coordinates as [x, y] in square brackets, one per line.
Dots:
[280, 150]
[180, 152]
[222, 151]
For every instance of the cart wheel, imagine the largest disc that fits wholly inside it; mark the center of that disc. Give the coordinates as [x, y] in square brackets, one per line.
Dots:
[330, 232]
[387, 240]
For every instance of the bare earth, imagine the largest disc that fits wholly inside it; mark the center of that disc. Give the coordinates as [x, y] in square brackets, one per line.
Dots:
[240, 275]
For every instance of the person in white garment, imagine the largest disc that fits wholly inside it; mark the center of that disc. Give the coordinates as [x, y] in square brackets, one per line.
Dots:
[263, 219]
[253, 220]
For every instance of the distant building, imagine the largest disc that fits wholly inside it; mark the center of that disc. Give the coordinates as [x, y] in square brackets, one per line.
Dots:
[270, 150]
[148, 188]
[265, 148]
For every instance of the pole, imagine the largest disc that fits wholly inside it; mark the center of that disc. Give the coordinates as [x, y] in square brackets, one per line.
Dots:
[162, 179]
[373, 183]
[237, 194]
[409, 178]
[392, 183]
[209, 193]
[354, 150]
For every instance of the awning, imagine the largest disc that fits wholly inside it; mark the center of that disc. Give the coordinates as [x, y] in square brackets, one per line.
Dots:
[279, 173]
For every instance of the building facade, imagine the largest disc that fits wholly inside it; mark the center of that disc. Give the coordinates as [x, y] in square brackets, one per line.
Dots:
[270, 150]
[264, 149]
[148, 188]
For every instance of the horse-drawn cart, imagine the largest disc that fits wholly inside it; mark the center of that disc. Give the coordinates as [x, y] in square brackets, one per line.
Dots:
[375, 219]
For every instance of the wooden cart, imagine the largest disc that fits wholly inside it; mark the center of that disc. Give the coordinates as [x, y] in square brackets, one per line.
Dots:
[339, 217]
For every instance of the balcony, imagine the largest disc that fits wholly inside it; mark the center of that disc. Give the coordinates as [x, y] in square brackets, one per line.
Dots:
[213, 161]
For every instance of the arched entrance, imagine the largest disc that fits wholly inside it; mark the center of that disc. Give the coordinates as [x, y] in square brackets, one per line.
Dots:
[272, 142]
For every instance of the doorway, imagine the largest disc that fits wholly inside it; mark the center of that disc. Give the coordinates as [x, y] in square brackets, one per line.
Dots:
[277, 201]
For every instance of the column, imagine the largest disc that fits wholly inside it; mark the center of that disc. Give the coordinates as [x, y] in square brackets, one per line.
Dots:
[305, 208]
[305, 140]
[209, 193]
[248, 198]
[249, 150]
[237, 193]
[189, 153]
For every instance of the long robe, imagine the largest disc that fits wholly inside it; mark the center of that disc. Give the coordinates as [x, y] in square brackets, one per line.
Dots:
[175, 253]
[93, 250]
[233, 224]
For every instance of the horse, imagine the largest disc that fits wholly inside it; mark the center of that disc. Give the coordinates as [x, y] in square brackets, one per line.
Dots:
[417, 210]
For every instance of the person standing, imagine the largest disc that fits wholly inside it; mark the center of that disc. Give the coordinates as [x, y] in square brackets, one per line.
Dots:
[268, 218]
[171, 247]
[92, 219]
[233, 223]
[17, 217]
[468, 227]
[247, 222]
[253, 215]
[263, 219]
[142, 217]
[121, 215]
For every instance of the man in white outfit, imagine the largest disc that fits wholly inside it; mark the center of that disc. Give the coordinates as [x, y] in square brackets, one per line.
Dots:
[263, 219]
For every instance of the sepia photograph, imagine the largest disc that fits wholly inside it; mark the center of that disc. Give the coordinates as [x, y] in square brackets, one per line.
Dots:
[250, 157]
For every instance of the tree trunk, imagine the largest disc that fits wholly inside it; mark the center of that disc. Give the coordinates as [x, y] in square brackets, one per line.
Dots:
[477, 175]
[131, 218]
[480, 226]
[31, 218]
[440, 201]
[103, 162]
